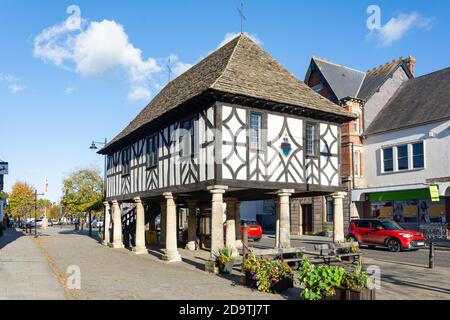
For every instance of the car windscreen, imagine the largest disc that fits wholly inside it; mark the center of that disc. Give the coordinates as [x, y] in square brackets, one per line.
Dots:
[249, 222]
[391, 225]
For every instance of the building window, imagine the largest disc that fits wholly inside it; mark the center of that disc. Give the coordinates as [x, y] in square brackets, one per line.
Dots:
[418, 155]
[388, 160]
[356, 124]
[255, 130]
[311, 139]
[126, 161]
[187, 138]
[152, 151]
[402, 157]
[330, 210]
[318, 87]
[357, 163]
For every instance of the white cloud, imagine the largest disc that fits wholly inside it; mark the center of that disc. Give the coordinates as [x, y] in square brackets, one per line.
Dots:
[12, 82]
[96, 48]
[69, 90]
[231, 35]
[15, 88]
[139, 93]
[397, 27]
[178, 67]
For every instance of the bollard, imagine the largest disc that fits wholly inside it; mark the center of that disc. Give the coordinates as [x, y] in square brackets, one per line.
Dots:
[431, 256]
[245, 240]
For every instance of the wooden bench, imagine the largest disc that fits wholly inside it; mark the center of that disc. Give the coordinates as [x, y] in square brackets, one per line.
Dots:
[328, 252]
[281, 253]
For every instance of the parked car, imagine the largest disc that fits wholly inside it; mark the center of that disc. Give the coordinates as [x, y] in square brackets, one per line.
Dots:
[385, 233]
[254, 229]
[97, 223]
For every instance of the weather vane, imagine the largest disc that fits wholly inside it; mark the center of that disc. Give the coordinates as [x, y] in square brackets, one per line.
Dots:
[243, 18]
[169, 68]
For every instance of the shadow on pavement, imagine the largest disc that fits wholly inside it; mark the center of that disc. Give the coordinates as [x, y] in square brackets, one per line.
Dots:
[9, 235]
[394, 280]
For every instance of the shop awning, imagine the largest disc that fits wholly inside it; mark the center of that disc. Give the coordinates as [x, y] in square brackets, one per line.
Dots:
[401, 192]
[432, 192]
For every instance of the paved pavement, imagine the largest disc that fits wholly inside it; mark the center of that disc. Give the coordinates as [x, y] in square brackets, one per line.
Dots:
[119, 274]
[38, 269]
[25, 271]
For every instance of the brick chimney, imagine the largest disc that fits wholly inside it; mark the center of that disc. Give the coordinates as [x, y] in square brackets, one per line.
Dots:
[410, 63]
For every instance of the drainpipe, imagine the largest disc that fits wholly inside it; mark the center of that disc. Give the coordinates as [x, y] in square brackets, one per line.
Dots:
[352, 145]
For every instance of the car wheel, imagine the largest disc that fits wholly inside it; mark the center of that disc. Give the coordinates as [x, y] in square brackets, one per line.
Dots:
[394, 245]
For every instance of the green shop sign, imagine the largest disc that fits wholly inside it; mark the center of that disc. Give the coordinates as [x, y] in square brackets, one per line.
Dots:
[416, 194]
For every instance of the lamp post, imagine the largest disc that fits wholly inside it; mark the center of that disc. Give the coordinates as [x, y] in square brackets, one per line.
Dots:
[94, 147]
[36, 194]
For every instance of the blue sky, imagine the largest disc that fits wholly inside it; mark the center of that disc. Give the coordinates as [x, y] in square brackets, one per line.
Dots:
[61, 88]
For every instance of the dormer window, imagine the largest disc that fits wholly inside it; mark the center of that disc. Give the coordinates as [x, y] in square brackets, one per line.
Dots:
[318, 87]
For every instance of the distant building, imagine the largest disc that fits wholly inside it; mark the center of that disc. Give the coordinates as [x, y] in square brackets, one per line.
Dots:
[364, 94]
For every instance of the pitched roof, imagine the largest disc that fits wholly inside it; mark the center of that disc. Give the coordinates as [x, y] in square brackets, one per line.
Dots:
[376, 77]
[418, 101]
[240, 67]
[345, 82]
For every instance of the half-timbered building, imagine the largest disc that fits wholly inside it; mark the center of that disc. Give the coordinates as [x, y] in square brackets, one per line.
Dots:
[237, 126]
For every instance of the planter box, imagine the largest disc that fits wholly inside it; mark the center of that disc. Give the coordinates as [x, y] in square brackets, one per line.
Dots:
[283, 285]
[347, 294]
[226, 268]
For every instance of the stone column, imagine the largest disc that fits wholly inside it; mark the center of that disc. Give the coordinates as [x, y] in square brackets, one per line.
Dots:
[162, 224]
[107, 224]
[117, 225]
[237, 220]
[230, 236]
[140, 247]
[277, 223]
[338, 232]
[285, 223]
[171, 254]
[192, 225]
[216, 224]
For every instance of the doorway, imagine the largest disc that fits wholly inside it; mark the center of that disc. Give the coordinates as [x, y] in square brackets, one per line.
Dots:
[307, 218]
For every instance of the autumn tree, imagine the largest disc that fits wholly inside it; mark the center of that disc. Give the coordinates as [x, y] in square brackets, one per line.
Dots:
[21, 201]
[82, 192]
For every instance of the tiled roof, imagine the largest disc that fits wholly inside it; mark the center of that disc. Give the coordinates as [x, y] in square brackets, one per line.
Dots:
[240, 67]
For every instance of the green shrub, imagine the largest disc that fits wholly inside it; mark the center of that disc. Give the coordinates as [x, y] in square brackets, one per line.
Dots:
[319, 282]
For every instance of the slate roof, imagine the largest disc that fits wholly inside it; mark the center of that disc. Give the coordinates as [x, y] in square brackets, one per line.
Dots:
[375, 78]
[345, 82]
[240, 67]
[418, 101]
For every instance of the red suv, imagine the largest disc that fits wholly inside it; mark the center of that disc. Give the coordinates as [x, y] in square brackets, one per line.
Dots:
[385, 233]
[254, 229]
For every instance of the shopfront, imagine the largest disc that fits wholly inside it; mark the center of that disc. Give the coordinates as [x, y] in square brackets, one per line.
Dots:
[409, 207]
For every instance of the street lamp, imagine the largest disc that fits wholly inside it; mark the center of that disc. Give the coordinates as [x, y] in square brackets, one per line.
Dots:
[94, 147]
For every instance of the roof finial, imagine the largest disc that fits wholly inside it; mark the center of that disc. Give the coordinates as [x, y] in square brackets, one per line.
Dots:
[243, 18]
[169, 69]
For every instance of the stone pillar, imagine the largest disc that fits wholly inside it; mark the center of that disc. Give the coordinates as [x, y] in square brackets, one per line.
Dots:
[192, 225]
[237, 220]
[230, 236]
[140, 247]
[338, 232]
[216, 224]
[107, 224]
[162, 224]
[285, 223]
[117, 226]
[277, 223]
[171, 254]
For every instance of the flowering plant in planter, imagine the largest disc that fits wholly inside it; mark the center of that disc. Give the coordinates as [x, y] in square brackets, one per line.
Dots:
[225, 260]
[357, 280]
[267, 275]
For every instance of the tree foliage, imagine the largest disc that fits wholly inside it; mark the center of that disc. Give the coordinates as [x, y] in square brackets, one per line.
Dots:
[21, 200]
[83, 191]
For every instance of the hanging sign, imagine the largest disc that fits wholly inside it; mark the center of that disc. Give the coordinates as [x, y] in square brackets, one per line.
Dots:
[434, 193]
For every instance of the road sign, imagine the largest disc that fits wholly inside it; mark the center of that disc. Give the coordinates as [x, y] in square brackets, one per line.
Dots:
[3, 168]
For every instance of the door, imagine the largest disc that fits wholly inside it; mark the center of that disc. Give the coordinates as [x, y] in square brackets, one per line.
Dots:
[363, 228]
[307, 218]
[377, 234]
